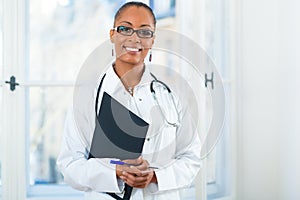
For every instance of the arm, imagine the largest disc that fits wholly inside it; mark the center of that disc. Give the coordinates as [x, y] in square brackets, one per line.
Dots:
[82, 173]
[184, 165]
[180, 173]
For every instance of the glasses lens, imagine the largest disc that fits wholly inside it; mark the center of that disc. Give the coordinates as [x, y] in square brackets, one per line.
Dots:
[144, 33]
[124, 30]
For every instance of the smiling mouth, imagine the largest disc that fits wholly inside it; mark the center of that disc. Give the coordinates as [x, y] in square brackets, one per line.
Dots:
[132, 49]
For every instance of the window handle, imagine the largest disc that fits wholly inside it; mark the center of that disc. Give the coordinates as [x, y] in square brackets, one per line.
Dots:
[12, 83]
[211, 80]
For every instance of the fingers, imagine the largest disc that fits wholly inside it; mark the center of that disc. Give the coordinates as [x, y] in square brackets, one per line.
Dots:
[136, 162]
[139, 163]
[133, 170]
[128, 169]
[143, 166]
[138, 174]
[137, 181]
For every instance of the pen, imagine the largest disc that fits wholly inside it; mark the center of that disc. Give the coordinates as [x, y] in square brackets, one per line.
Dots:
[118, 162]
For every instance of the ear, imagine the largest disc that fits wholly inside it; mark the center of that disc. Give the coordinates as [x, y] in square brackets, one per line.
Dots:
[111, 35]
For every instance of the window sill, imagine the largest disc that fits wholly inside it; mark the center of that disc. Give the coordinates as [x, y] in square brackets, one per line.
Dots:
[56, 198]
[56, 192]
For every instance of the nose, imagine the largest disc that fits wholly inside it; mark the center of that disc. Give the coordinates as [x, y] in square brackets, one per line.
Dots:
[134, 38]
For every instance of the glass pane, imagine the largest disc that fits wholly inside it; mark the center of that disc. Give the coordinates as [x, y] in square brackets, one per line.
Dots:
[211, 167]
[46, 111]
[215, 33]
[164, 8]
[63, 33]
[216, 44]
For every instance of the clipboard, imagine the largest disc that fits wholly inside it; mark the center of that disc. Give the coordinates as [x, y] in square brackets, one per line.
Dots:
[119, 133]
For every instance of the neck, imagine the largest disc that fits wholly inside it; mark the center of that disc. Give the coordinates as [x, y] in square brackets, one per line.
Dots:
[130, 75]
[122, 68]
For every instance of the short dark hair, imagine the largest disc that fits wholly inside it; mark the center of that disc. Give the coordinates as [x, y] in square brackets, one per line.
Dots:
[137, 4]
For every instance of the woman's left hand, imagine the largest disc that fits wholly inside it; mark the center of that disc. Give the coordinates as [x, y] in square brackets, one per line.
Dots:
[143, 176]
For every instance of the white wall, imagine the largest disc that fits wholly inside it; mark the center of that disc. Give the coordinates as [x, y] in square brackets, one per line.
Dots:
[268, 132]
[290, 76]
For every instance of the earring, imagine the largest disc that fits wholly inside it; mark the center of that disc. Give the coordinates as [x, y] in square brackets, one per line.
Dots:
[112, 50]
[150, 56]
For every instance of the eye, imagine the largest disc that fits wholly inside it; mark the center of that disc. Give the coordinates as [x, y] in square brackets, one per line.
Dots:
[124, 29]
[145, 33]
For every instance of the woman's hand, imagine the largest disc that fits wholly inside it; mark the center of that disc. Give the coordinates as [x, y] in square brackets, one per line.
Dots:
[137, 175]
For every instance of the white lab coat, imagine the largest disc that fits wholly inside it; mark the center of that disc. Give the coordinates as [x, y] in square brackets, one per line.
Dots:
[175, 150]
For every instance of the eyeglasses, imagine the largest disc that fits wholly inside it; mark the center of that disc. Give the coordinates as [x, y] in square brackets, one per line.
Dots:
[141, 33]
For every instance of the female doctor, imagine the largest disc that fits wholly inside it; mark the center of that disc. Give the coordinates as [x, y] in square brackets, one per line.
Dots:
[172, 143]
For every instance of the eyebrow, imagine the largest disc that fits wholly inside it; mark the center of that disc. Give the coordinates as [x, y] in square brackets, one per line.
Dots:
[143, 25]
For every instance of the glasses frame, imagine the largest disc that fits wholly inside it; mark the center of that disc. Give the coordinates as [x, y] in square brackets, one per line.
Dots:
[133, 31]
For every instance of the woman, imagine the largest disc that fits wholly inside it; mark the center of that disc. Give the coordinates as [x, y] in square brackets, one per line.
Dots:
[174, 149]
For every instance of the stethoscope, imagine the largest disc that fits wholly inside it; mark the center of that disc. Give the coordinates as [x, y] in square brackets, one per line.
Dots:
[166, 87]
[153, 92]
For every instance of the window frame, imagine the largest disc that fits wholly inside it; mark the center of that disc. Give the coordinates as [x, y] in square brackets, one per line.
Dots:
[13, 180]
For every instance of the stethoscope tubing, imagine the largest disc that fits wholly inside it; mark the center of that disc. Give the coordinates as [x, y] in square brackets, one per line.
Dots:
[155, 80]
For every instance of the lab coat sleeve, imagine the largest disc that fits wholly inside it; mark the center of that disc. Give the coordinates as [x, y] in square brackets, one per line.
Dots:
[82, 173]
[185, 165]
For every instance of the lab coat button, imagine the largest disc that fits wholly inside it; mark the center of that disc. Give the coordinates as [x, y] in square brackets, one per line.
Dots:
[148, 139]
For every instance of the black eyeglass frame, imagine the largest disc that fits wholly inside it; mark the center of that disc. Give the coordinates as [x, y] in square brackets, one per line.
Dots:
[137, 31]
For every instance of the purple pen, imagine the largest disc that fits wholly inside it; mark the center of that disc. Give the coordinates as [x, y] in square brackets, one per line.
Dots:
[118, 162]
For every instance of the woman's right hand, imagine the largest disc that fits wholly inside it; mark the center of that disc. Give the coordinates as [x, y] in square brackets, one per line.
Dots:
[137, 174]
[131, 168]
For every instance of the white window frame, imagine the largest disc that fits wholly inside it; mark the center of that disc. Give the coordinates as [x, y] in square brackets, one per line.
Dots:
[13, 145]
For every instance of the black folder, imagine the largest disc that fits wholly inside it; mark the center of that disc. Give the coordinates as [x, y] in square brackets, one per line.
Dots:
[119, 133]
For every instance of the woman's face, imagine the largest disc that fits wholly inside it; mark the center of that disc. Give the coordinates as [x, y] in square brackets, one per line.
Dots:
[132, 49]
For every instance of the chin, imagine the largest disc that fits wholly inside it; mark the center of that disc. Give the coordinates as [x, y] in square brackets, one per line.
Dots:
[133, 61]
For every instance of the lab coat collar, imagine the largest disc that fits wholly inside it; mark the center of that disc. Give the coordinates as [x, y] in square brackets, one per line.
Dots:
[115, 83]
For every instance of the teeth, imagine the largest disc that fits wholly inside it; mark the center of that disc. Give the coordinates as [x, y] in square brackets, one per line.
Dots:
[132, 49]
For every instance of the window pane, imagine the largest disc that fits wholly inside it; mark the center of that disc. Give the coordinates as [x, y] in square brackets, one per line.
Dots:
[211, 167]
[216, 44]
[46, 111]
[63, 33]
[164, 8]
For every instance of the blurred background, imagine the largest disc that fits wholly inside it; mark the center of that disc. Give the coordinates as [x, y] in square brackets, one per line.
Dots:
[254, 44]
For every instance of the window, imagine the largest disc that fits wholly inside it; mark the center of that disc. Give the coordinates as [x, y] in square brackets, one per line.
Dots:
[62, 35]
[216, 44]
[207, 23]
